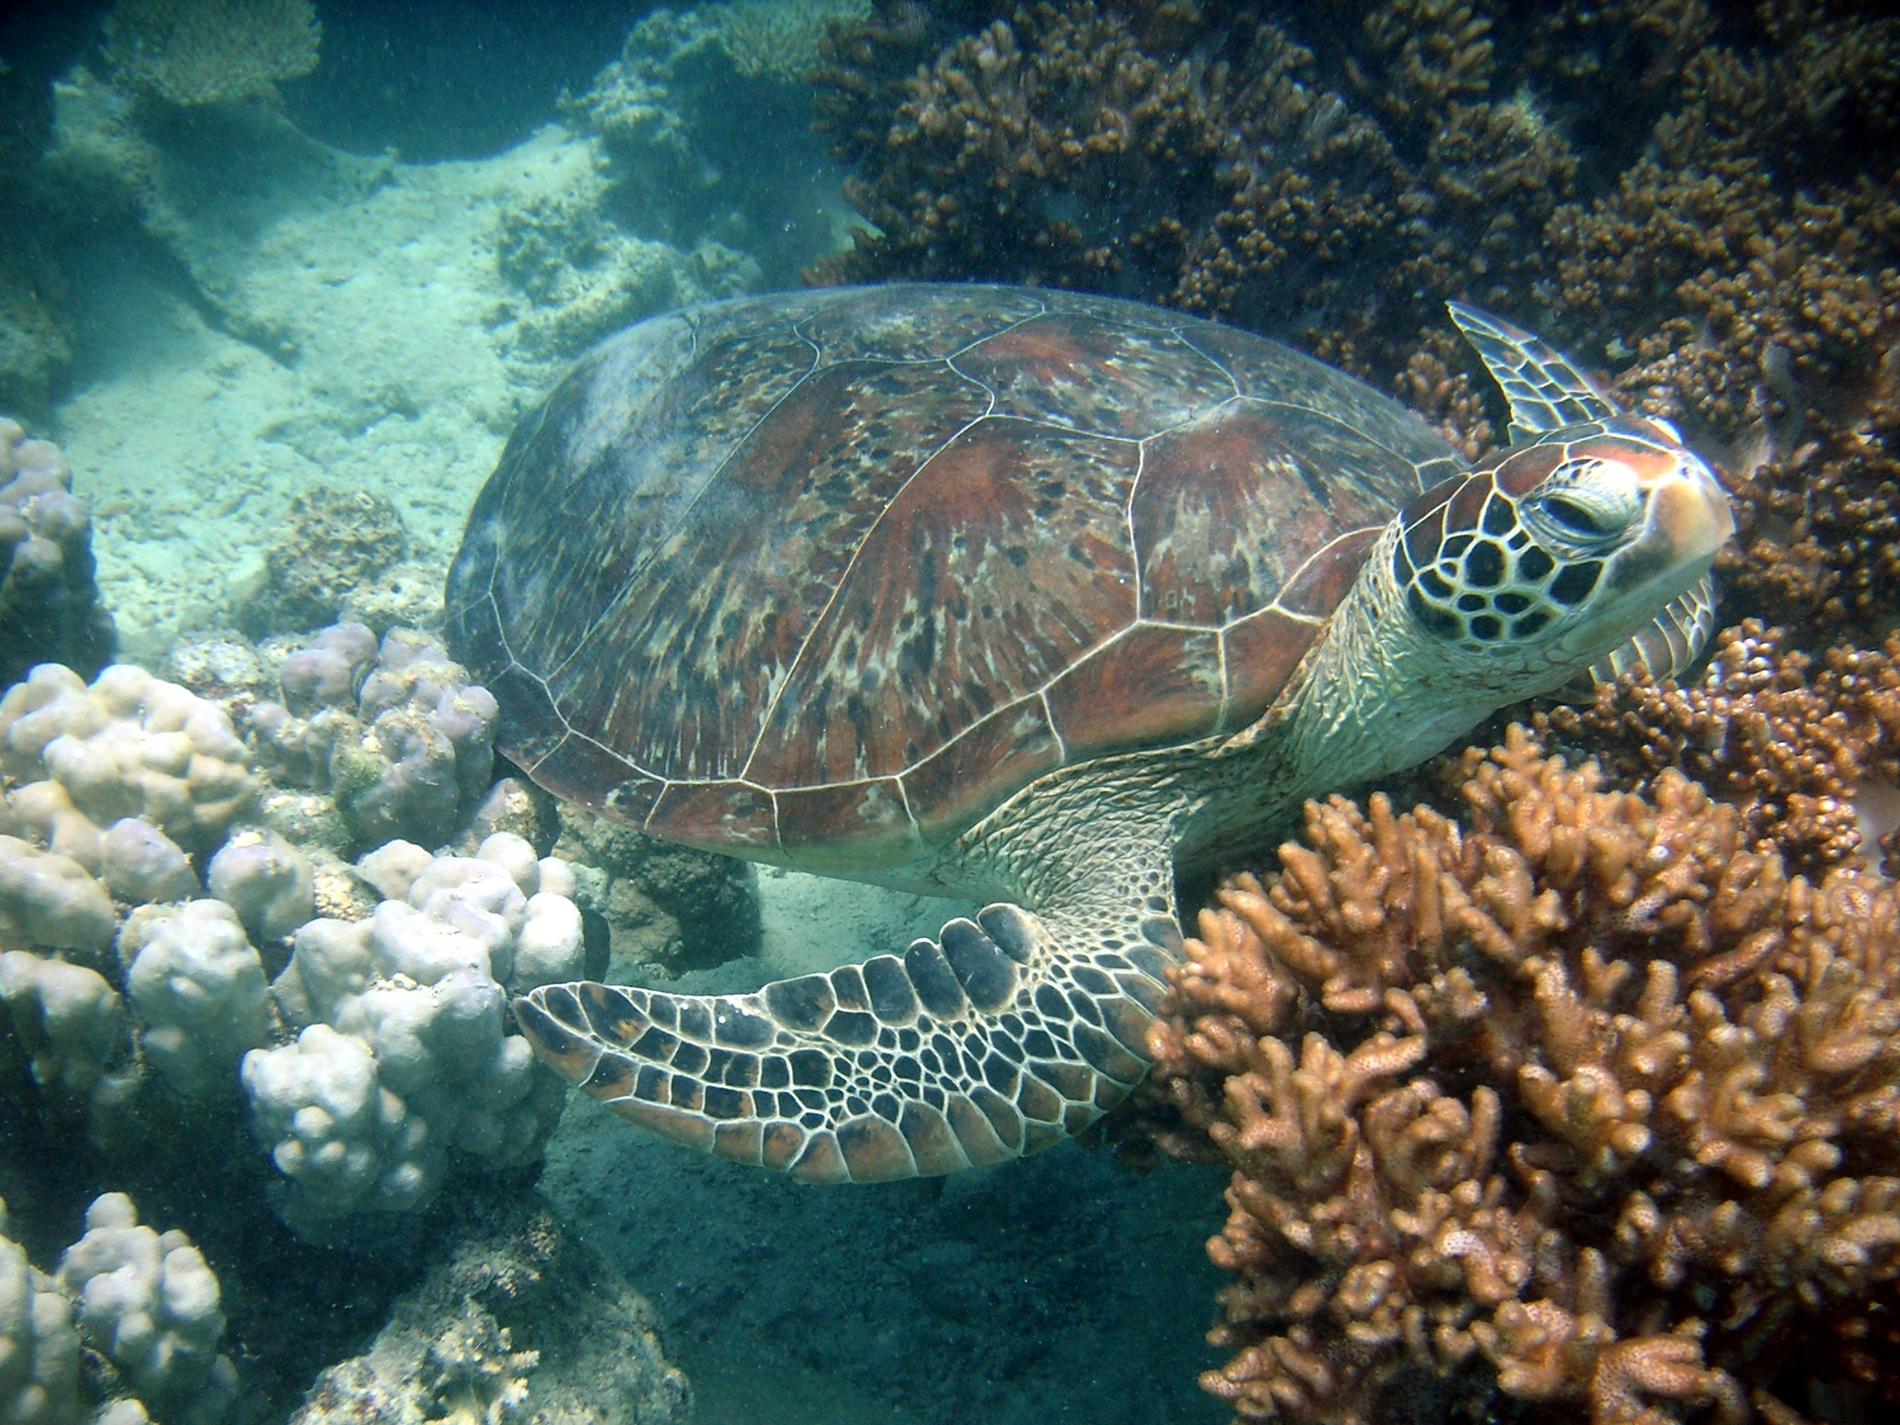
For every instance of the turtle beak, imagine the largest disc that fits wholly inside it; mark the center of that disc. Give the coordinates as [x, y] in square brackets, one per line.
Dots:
[1690, 518]
[1690, 511]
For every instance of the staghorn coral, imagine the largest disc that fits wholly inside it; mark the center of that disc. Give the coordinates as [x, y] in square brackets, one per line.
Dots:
[1807, 749]
[1580, 1109]
[192, 52]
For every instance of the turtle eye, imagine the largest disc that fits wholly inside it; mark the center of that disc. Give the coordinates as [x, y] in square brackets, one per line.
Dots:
[1578, 518]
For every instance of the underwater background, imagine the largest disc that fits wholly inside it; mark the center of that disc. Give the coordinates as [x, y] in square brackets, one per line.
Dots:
[1525, 1087]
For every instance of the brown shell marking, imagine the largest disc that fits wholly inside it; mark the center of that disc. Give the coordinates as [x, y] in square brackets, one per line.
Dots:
[830, 575]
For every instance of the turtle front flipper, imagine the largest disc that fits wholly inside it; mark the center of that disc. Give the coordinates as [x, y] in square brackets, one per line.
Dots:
[1546, 393]
[1003, 1036]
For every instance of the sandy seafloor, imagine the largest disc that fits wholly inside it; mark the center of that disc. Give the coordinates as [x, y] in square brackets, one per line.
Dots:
[1061, 1288]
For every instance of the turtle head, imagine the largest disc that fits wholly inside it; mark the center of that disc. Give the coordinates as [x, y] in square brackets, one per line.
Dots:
[1557, 551]
[1579, 550]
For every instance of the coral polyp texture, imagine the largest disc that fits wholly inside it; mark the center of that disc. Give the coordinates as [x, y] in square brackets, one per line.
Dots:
[1575, 1108]
[1698, 198]
[1807, 748]
[49, 605]
[191, 52]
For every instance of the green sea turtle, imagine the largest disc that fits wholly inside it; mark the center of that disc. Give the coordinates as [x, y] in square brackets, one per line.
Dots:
[1027, 597]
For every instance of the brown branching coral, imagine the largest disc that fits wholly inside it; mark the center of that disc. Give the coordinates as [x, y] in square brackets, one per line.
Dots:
[1193, 153]
[1579, 1108]
[1806, 749]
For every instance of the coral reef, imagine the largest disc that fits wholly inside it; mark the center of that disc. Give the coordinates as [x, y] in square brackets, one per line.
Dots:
[778, 39]
[36, 347]
[1808, 749]
[516, 1320]
[39, 1350]
[1199, 155]
[151, 1304]
[1723, 235]
[144, 1304]
[402, 1058]
[49, 606]
[331, 543]
[193, 52]
[79, 758]
[581, 275]
[703, 124]
[383, 1047]
[1580, 1109]
[146, 902]
[196, 986]
[391, 734]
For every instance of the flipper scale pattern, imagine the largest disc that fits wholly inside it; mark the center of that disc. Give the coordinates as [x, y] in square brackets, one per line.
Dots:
[997, 1039]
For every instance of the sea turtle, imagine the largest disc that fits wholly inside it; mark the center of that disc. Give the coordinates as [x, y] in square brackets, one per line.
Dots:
[1022, 596]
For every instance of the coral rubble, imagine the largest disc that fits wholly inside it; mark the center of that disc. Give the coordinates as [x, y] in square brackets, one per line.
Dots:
[515, 1320]
[331, 543]
[1582, 1104]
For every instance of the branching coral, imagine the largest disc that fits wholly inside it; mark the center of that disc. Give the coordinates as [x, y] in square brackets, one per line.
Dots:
[1807, 749]
[1582, 1105]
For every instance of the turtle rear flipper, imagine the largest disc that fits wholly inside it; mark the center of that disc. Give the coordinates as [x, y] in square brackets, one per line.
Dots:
[1001, 1037]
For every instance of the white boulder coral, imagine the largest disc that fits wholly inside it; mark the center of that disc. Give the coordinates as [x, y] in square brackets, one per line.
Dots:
[405, 1062]
[198, 989]
[128, 745]
[345, 1143]
[50, 901]
[151, 1304]
[72, 1023]
[39, 1349]
[266, 880]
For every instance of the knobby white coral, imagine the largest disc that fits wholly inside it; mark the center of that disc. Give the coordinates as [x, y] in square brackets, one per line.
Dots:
[404, 1062]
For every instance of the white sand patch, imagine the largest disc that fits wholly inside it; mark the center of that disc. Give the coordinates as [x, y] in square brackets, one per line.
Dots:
[360, 339]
